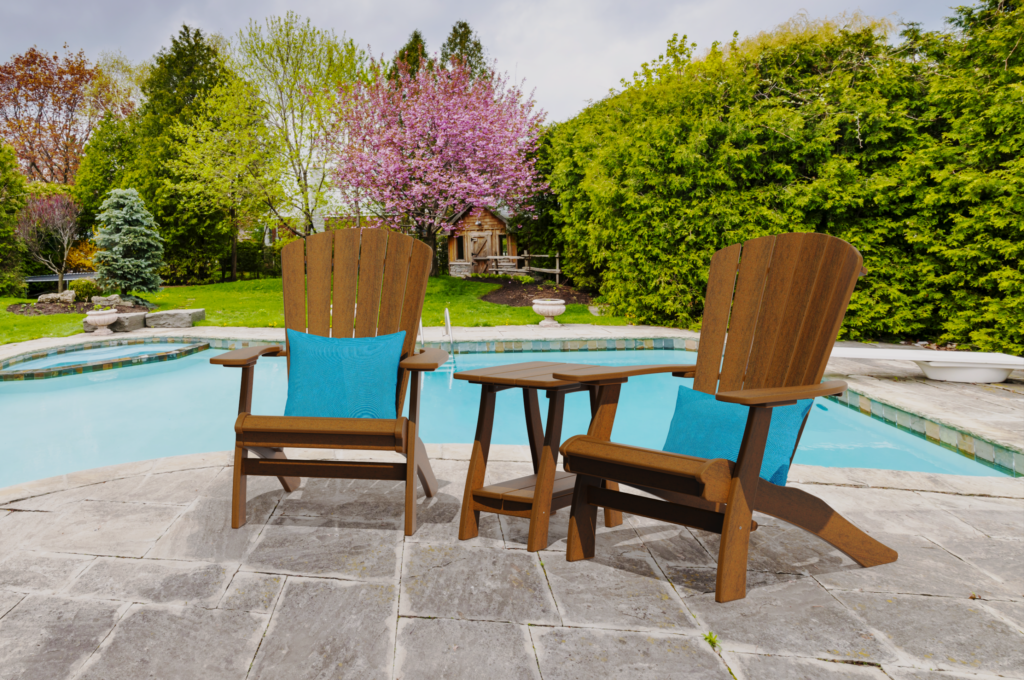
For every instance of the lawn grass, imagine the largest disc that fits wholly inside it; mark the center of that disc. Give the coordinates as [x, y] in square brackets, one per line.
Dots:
[258, 304]
[17, 327]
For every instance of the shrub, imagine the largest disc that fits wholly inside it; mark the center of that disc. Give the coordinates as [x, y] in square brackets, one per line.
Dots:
[85, 289]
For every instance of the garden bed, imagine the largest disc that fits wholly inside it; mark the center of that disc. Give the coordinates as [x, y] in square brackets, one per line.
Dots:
[518, 294]
[45, 309]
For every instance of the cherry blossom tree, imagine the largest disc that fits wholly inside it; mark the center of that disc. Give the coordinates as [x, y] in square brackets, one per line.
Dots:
[416, 150]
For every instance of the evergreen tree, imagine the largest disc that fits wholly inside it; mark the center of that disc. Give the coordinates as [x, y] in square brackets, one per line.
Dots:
[195, 235]
[464, 44]
[130, 250]
[413, 54]
[12, 199]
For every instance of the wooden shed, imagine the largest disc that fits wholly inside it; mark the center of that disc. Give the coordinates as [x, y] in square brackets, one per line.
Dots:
[481, 242]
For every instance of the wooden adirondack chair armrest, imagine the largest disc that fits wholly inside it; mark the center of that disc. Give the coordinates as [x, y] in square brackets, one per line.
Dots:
[768, 397]
[612, 374]
[247, 356]
[426, 360]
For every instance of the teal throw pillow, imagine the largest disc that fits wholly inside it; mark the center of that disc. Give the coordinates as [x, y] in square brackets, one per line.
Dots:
[704, 427]
[343, 377]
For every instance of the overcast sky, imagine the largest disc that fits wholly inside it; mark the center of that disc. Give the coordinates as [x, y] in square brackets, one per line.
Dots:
[570, 51]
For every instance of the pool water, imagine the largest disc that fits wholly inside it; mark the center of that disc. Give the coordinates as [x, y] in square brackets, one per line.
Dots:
[79, 422]
[100, 354]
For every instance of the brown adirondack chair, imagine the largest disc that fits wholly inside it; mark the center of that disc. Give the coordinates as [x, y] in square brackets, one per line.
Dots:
[379, 280]
[780, 300]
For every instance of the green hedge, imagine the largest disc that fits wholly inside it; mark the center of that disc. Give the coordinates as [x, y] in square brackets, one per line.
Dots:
[912, 152]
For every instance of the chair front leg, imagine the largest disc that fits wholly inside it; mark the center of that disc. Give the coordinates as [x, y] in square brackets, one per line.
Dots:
[731, 581]
[582, 521]
[238, 489]
[410, 478]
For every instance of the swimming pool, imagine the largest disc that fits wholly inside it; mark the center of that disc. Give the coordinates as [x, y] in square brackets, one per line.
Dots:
[79, 422]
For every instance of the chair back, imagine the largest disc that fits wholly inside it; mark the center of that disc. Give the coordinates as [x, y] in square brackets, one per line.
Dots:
[357, 283]
[775, 305]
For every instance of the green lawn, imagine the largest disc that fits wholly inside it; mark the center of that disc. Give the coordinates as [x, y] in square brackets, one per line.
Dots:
[258, 304]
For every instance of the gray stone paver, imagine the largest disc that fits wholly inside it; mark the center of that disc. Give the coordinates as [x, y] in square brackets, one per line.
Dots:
[128, 529]
[102, 581]
[46, 637]
[428, 649]
[158, 581]
[325, 628]
[26, 571]
[760, 666]
[580, 653]
[252, 592]
[488, 584]
[939, 632]
[178, 643]
[947, 576]
[799, 618]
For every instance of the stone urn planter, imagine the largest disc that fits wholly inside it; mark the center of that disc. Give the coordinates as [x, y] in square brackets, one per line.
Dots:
[549, 308]
[101, 318]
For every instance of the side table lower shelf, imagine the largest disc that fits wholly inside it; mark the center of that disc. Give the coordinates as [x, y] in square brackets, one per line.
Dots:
[515, 497]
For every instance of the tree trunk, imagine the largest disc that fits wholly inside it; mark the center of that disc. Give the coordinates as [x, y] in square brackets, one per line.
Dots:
[234, 247]
[430, 238]
[60, 282]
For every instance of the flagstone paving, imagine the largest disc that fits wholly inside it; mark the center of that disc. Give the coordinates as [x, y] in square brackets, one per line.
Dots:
[134, 572]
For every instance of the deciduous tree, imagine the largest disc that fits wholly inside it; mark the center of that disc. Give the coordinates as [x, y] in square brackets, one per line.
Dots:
[47, 111]
[12, 200]
[48, 226]
[296, 71]
[418, 150]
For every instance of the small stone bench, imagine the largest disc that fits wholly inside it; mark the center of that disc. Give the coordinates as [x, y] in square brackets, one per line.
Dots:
[175, 318]
[172, 318]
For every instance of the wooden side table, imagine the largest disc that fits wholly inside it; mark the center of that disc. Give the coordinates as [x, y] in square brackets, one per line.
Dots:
[535, 496]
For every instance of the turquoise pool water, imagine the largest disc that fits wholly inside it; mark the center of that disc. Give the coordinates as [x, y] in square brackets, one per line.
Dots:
[78, 422]
[104, 354]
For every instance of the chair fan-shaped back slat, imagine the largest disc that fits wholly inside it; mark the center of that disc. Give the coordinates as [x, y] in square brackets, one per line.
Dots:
[372, 251]
[319, 249]
[346, 280]
[717, 302]
[396, 273]
[782, 314]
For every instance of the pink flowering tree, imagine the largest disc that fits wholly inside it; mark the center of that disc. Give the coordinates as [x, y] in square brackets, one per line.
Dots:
[414, 151]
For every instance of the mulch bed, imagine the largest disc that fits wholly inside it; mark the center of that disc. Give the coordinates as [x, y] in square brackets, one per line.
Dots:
[48, 308]
[515, 294]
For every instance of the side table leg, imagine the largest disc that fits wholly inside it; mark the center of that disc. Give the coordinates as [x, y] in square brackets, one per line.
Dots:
[534, 427]
[540, 514]
[469, 523]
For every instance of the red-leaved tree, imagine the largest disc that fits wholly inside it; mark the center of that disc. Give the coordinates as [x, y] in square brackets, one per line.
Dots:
[416, 150]
[48, 226]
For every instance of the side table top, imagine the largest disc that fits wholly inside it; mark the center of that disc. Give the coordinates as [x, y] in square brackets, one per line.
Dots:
[537, 374]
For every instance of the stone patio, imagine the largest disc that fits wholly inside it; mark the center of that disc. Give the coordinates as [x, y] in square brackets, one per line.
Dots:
[133, 572]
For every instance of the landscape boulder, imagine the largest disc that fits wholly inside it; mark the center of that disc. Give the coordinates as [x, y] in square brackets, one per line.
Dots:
[65, 298]
[175, 318]
[108, 301]
[125, 323]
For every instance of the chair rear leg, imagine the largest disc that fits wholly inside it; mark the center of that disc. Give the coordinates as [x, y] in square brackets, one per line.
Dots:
[238, 490]
[815, 516]
[288, 483]
[582, 521]
[424, 471]
[612, 518]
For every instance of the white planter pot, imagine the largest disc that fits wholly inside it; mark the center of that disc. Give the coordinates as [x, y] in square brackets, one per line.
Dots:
[549, 309]
[101, 319]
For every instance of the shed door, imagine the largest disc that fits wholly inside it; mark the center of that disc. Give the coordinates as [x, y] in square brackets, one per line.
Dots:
[481, 245]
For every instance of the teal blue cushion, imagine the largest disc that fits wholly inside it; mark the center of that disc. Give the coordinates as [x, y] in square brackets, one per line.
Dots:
[343, 377]
[704, 427]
